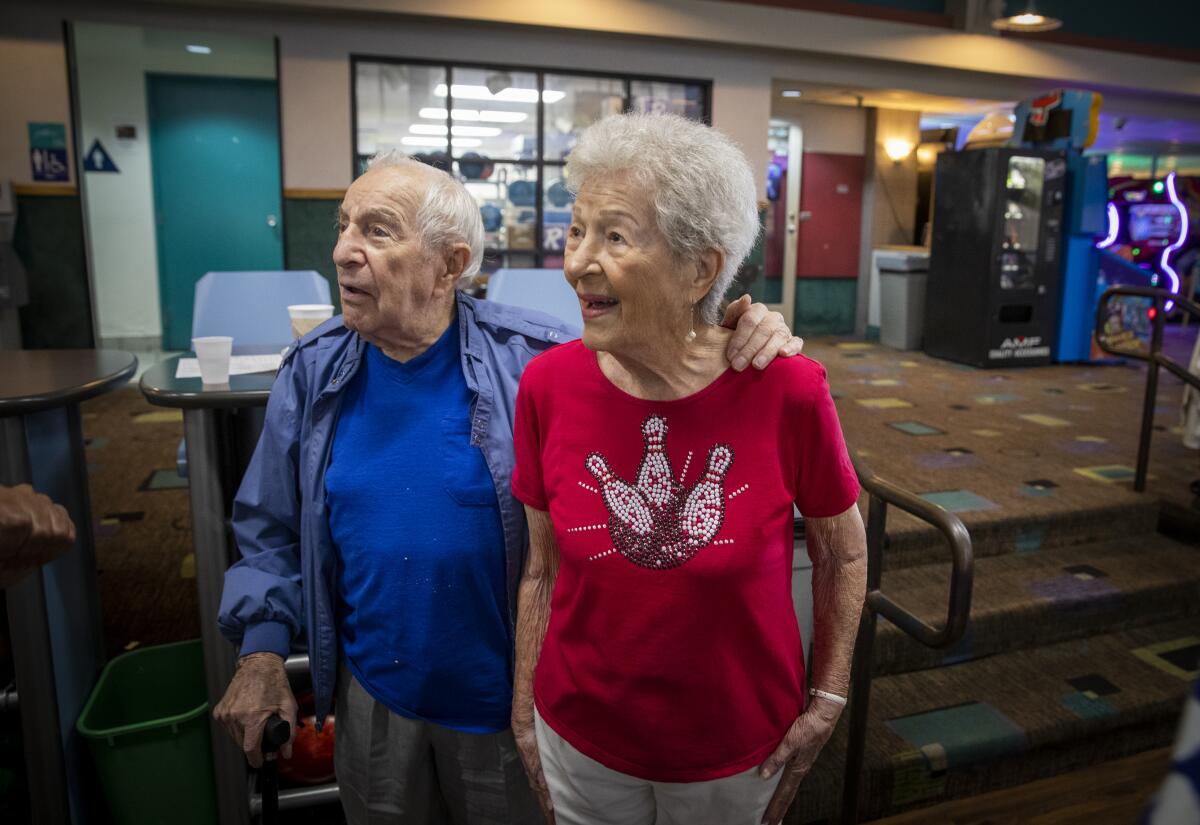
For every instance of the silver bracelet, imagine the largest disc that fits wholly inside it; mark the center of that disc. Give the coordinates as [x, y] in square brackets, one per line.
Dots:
[832, 697]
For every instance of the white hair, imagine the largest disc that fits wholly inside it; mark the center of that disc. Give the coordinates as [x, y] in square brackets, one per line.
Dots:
[702, 185]
[447, 214]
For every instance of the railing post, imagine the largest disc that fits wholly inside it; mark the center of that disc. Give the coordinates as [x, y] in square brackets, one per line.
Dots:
[860, 674]
[1148, 402]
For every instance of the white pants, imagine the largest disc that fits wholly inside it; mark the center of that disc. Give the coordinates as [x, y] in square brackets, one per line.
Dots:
[585, 792]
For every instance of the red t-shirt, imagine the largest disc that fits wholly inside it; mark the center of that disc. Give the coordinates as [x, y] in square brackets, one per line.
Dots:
[672, 652]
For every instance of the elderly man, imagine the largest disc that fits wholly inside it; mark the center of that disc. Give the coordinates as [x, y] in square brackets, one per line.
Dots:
[376, 518]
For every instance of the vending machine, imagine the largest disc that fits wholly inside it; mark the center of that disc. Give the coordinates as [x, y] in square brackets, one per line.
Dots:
[993, 292]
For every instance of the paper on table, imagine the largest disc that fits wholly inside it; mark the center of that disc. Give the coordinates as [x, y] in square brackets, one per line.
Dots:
[238, 365]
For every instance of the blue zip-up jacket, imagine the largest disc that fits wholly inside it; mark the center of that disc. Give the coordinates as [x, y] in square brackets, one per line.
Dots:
[284, 587]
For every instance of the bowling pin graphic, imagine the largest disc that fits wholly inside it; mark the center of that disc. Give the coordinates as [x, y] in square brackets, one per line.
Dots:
[654, 476]
[704, 508]
[623, 501]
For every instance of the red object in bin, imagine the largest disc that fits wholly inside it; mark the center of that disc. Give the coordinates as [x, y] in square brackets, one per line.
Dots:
[312, 752]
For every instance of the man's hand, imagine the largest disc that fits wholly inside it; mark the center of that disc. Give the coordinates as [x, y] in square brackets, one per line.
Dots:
[526, 738]
[33, 531]
[797, 753]
[259, 690]
[760, 335]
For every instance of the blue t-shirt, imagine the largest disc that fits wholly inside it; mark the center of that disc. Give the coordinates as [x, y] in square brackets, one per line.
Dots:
[414, 515]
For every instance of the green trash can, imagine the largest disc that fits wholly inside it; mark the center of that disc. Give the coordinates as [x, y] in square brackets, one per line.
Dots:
[146, 723]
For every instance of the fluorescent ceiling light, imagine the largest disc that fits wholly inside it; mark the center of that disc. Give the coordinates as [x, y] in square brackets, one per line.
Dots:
[484, 115]
[464, 131]
[463, 91]
[195, 49]
[466, 143]
[791, 93]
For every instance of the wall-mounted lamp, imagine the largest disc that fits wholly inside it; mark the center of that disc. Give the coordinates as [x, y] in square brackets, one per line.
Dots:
[897, 148]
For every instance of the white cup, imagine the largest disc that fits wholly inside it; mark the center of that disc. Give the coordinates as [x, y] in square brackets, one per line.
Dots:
[213, 353]
[307, 317]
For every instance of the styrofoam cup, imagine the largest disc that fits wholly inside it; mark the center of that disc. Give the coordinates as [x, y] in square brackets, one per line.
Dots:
[213, 353]
[307, 317]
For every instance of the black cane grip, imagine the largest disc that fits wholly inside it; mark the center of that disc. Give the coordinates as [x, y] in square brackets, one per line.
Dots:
[275, 734]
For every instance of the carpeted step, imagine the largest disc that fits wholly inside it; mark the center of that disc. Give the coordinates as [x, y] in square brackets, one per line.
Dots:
[1115, 515]
[996, 722]
[1025, 600]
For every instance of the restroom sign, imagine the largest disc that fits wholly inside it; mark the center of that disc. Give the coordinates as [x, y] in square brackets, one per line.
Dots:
[97, 159]
[48, 152]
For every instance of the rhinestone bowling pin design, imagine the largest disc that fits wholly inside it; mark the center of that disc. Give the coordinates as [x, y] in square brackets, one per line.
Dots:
[657, 522]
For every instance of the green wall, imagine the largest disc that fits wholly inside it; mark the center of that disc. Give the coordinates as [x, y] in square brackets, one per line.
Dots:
[48, 238]
[311, 232]
[825, 306]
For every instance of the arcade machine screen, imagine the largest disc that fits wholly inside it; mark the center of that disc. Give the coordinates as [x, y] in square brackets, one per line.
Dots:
[1153, 222]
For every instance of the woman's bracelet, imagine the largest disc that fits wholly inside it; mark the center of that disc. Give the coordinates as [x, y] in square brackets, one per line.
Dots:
[832, 697]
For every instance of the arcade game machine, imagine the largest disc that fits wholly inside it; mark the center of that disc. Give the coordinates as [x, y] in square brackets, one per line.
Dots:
[992, 296]
[1148, 226]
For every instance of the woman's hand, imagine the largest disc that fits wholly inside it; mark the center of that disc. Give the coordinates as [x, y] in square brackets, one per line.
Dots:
[760, 335]
[526, 738]
[797, 753]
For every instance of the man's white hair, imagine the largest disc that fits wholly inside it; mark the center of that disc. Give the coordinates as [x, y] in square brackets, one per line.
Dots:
[447, 213]
[701, 184]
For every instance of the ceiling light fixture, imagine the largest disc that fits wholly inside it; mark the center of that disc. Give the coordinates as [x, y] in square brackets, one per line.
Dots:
[196, 49]
[1027, 21]
[791, 93]
[483, 115]
[463, 91]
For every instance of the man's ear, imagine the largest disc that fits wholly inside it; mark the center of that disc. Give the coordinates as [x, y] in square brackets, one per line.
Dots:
[456, 261]
[708, 267]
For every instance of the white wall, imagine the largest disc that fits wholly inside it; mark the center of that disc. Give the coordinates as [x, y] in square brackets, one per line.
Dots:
[836, 130]
[118, 208]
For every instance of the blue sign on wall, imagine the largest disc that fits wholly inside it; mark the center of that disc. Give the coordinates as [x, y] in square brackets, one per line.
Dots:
[48, 152]
[98, 160]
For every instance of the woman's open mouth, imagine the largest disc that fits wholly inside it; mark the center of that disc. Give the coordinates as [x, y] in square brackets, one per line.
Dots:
[594, 306]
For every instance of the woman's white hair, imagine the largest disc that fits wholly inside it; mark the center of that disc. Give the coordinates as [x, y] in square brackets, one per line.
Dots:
[702, 186]
[447, 214]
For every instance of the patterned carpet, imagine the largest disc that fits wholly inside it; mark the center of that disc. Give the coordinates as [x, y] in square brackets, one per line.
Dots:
[1085, 627]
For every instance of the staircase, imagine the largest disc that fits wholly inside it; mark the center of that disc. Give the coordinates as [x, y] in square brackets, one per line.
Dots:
[1084, 637]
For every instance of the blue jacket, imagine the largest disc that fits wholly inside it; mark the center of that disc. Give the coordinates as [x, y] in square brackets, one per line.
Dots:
[284, 587]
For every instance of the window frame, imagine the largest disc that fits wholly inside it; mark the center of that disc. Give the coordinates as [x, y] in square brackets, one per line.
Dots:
[539, 163]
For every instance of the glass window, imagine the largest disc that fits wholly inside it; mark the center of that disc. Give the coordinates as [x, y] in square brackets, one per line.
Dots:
[686, 99]
[398, 108]
[574, 103]
[495, 112]
[481, 124]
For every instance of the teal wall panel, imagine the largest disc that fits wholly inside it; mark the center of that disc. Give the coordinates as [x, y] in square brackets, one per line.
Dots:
[49, 240]
[825, 306]
[311, 232]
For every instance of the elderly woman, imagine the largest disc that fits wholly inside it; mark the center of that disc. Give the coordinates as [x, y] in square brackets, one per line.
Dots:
[659, 674]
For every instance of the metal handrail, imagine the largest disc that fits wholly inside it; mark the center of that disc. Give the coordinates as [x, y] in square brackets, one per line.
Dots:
[1155, 358]
[881, 493]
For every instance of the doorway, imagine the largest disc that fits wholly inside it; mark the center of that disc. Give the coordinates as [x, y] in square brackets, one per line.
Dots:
[214, 146]
[178, 143]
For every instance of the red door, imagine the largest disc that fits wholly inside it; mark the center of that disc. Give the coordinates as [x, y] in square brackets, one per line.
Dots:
[831, 192]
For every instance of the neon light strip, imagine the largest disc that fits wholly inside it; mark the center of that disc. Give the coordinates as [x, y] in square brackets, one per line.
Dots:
[1164, 262]
[1114, 227]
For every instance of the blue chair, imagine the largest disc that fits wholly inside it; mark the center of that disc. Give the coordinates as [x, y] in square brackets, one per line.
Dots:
[545, 290]
[252, 308]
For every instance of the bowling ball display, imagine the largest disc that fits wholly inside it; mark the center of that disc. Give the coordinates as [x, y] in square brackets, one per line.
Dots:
[312, 752]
